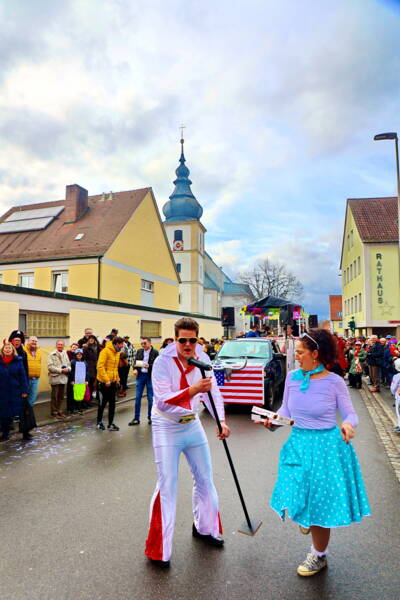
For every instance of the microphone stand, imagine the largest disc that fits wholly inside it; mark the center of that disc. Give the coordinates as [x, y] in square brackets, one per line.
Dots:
[249, 527]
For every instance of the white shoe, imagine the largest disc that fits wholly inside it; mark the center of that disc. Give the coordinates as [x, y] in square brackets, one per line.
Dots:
[312, 565]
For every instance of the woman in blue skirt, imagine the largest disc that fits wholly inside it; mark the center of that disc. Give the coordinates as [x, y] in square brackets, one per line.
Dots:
[319, 483]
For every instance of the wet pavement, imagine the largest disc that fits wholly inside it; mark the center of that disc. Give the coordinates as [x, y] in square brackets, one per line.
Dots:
[74, 516]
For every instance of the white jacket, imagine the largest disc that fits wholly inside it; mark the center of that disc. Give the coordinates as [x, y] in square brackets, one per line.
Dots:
[395, 385]
[166, 379]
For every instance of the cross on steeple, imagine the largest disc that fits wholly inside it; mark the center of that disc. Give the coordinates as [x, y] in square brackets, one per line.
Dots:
[182, 127]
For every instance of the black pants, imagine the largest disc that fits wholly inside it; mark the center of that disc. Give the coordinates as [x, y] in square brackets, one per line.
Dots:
[107, 395]
[355, 380]
[5, 426]
[123, 376]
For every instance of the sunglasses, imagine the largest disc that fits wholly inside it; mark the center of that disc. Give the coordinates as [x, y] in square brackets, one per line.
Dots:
[310, 338]
[183, 340]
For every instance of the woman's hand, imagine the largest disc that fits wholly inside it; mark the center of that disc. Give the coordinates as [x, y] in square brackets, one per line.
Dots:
[225, 431]
[267, 424]
[347, 431]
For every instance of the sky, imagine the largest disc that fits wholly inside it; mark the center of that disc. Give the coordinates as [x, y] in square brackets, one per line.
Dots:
[280, 101]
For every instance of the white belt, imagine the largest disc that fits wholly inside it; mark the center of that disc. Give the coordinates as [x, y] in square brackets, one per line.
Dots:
[182, 419]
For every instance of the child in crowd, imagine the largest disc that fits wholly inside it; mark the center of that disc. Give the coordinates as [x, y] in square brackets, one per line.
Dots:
[395, 389]
[78, 380]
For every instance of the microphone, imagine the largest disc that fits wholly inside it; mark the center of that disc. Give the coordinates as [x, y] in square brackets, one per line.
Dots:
[199, 363]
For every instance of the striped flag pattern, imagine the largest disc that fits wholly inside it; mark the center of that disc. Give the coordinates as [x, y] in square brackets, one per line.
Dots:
[244, 387]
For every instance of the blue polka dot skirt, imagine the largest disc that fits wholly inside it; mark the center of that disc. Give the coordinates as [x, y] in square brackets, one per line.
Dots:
[319, 480]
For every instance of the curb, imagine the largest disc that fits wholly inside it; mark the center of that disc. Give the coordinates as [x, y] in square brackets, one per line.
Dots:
[384, 421]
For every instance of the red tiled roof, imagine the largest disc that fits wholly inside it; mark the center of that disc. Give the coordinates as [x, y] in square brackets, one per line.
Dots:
[100, 224]
[376, 218]
[335, 308]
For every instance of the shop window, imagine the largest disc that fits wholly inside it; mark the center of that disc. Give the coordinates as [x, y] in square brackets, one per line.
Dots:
[44, 324]
[25, 280]
[60, 281]
[178, 235]
[151, 329]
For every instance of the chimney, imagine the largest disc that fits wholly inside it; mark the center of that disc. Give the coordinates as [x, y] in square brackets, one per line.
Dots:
[76, 203]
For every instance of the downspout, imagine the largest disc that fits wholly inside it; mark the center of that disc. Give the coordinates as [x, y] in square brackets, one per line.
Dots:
[99, 277]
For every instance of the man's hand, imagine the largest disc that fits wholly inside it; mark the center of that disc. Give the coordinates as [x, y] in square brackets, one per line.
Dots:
[225, 433]
[347, 431]
[65, 370]
[201, 387]
[108, 383]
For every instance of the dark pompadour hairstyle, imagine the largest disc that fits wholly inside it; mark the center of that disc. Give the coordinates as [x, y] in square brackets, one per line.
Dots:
[186, 323]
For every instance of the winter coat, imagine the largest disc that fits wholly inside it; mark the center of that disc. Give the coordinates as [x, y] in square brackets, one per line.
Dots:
[34, 362]
[91, 355]
[375, 355]
[107, 365]
[71, 376]
[362, 355]
[13, 383]
[22, 354]
[55, 361]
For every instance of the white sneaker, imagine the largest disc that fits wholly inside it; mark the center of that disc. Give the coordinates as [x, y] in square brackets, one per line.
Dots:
[312, 565]
[93, 394]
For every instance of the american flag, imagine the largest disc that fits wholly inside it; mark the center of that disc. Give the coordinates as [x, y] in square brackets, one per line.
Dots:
[244, 387]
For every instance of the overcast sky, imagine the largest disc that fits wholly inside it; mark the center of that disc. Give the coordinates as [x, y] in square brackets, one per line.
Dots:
[280, 102]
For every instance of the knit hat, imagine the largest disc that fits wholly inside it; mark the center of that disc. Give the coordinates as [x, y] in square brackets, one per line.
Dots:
[78, 351]
[397, 364]
[17, 333]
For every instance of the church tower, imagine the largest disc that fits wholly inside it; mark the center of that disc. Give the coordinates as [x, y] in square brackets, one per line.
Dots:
[185, 234]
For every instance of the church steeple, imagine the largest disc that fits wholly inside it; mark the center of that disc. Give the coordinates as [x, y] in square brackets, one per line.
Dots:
[182, 204]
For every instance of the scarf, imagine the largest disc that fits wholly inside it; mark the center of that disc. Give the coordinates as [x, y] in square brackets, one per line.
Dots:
[304, 377]
[184, 382]
[7, 359]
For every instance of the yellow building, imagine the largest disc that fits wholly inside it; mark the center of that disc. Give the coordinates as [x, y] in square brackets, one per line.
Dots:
[111, 248]
[370, 266]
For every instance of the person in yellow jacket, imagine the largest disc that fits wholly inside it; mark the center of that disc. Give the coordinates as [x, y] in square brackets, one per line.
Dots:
[107, 375]
[34, 356]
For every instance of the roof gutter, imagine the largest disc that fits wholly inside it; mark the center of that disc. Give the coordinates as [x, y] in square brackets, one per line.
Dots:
[99, 277]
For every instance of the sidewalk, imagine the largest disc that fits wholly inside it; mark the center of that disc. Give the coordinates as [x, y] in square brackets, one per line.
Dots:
[383, 415]
[42, 404]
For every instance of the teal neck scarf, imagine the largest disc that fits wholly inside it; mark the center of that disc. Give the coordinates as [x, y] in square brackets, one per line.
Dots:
[304, 377]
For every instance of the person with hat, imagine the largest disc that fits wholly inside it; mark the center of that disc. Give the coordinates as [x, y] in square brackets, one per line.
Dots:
[395, 389]
[17, 338]
[357, 356]
[13, 392]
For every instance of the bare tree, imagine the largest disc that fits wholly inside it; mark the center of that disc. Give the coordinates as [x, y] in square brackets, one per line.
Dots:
[272, 279]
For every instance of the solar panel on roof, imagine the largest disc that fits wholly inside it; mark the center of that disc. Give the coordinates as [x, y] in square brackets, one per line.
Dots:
[26, 225]
[35, 213]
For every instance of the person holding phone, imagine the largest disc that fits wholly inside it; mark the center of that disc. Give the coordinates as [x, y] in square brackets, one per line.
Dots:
[319, 483]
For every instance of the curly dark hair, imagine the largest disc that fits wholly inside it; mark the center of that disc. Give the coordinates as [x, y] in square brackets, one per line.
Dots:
[324, 342]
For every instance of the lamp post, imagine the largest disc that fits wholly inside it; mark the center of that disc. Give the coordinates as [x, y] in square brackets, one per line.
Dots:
[393, 136]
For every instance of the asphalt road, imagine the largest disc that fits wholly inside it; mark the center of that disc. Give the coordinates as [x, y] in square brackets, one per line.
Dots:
[74, 517]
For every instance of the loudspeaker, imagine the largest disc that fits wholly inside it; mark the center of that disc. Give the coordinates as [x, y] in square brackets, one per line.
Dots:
[228, 316]
[313, 321]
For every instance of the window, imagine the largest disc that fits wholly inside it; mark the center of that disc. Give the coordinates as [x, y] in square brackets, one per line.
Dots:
[200, 272]
[147, 286]
[1, 277]
[178, 235]
[352, 305]
[355, 269]
[340, 324]
[344, 277]
[355, 304]
[348, 274]
[44, 324]
[351, 238]
[351, 271]
[201, 241]
[359, 265]
[25, 280]
[151, 329]
[60, 282]
[348, 241]
[339, 314]
[359, 302]
[178, 267]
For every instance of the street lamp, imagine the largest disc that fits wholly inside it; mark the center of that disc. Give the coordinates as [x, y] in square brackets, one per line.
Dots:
[393, 136]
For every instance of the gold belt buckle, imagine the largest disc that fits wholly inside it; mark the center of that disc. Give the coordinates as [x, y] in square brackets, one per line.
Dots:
[186, 419]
